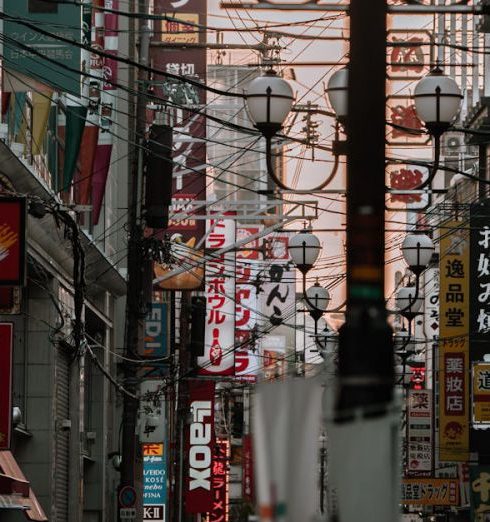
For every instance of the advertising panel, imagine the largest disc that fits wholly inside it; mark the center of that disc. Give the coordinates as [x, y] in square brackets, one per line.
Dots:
[248, 487]
[189, 177]
[219, 338]
[155, 339]
[154, 482]
[431, 319]
[220, 483]
[12, 241]
[419, 432]
[481, 392]
[454, 345]
[480, 493]
[6, 348]
[200, 443]
[247, 362]
[430, 492]
[37, 54]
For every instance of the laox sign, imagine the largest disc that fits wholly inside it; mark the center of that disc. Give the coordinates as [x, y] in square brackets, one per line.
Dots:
[200, 433]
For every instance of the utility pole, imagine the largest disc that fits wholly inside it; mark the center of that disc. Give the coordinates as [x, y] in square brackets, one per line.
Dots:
[366, 376]
[134, 300]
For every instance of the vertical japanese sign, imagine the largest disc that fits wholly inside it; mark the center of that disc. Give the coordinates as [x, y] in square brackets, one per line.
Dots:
[6, 349]
[12, 241]
[247, 362]
[278, 297]
[248, 470]
[480, 493]
[454, 345]
[219, 339]
[154, 482]
[220, 483]
[431, 320]
[155, 340]
[481, 393]
[190, 155]
[199, 447]
[419, 432]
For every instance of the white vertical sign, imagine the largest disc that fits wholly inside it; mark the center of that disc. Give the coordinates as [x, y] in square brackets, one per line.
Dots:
[219, 341]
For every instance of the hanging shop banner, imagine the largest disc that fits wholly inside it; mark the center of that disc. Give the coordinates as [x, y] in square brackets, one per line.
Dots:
[480, 376]
[248, 486]
[6, 353]
[190, 153]
[38, 55]
[279, 283]
[200, 442]
[480, 321]
[430, 492]
[480, 493]
[152, 418]
[156, 338]
[247, 362]
[419, 432]
[454, 346]
[273, 355]
[431, 320]
[220, 483]
[154, 482]
[12, 241]
[219, 339]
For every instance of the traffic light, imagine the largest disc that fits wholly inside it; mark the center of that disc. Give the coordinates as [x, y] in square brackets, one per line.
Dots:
[158, 176]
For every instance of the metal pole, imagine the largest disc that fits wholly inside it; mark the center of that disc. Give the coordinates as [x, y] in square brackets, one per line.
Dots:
[133, 332]
[365, 339]
[364, 435]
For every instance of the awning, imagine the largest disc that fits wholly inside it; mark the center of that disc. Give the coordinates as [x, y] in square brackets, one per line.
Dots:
[15, 490]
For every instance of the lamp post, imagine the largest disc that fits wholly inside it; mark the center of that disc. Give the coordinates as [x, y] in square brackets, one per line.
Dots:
[269, 99]
[437, 102]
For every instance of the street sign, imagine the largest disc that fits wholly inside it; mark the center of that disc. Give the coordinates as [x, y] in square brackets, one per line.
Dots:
[127, 497]
[128, 514]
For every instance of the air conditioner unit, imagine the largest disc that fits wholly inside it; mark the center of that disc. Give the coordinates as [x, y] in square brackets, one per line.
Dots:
[453, 145]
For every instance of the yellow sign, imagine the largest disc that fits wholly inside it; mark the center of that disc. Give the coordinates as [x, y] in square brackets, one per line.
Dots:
[453, 363]
[152, 450]
[430, 492]
[180, 30]
[481, 392]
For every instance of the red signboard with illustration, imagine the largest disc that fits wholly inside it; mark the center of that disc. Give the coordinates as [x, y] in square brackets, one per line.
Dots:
[199, 447]
[12, 241]
[6, 346]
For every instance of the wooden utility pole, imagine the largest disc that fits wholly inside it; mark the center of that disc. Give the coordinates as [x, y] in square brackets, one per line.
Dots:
[134, 301]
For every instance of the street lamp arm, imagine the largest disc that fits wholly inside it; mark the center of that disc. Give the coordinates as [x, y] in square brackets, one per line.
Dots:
[280, 184]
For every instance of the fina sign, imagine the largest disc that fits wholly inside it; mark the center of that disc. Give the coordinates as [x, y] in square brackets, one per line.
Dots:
[200, 443]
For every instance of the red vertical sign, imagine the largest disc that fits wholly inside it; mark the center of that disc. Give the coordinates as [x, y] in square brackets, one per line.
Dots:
[12, 241]
[6, 345]
[220, 483]
[248, 470]
[199, 448]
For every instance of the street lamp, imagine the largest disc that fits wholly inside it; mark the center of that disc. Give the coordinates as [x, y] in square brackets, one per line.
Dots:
[337, 88]
[269, 99]
[317, 298]
[437, 102]
[417, 249]
[408, 302]
[304, 249]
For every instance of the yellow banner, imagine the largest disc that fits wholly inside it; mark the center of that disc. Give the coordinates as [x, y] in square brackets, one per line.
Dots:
[453, 361]
[430, 492]
[154, 450]
[481, 392]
